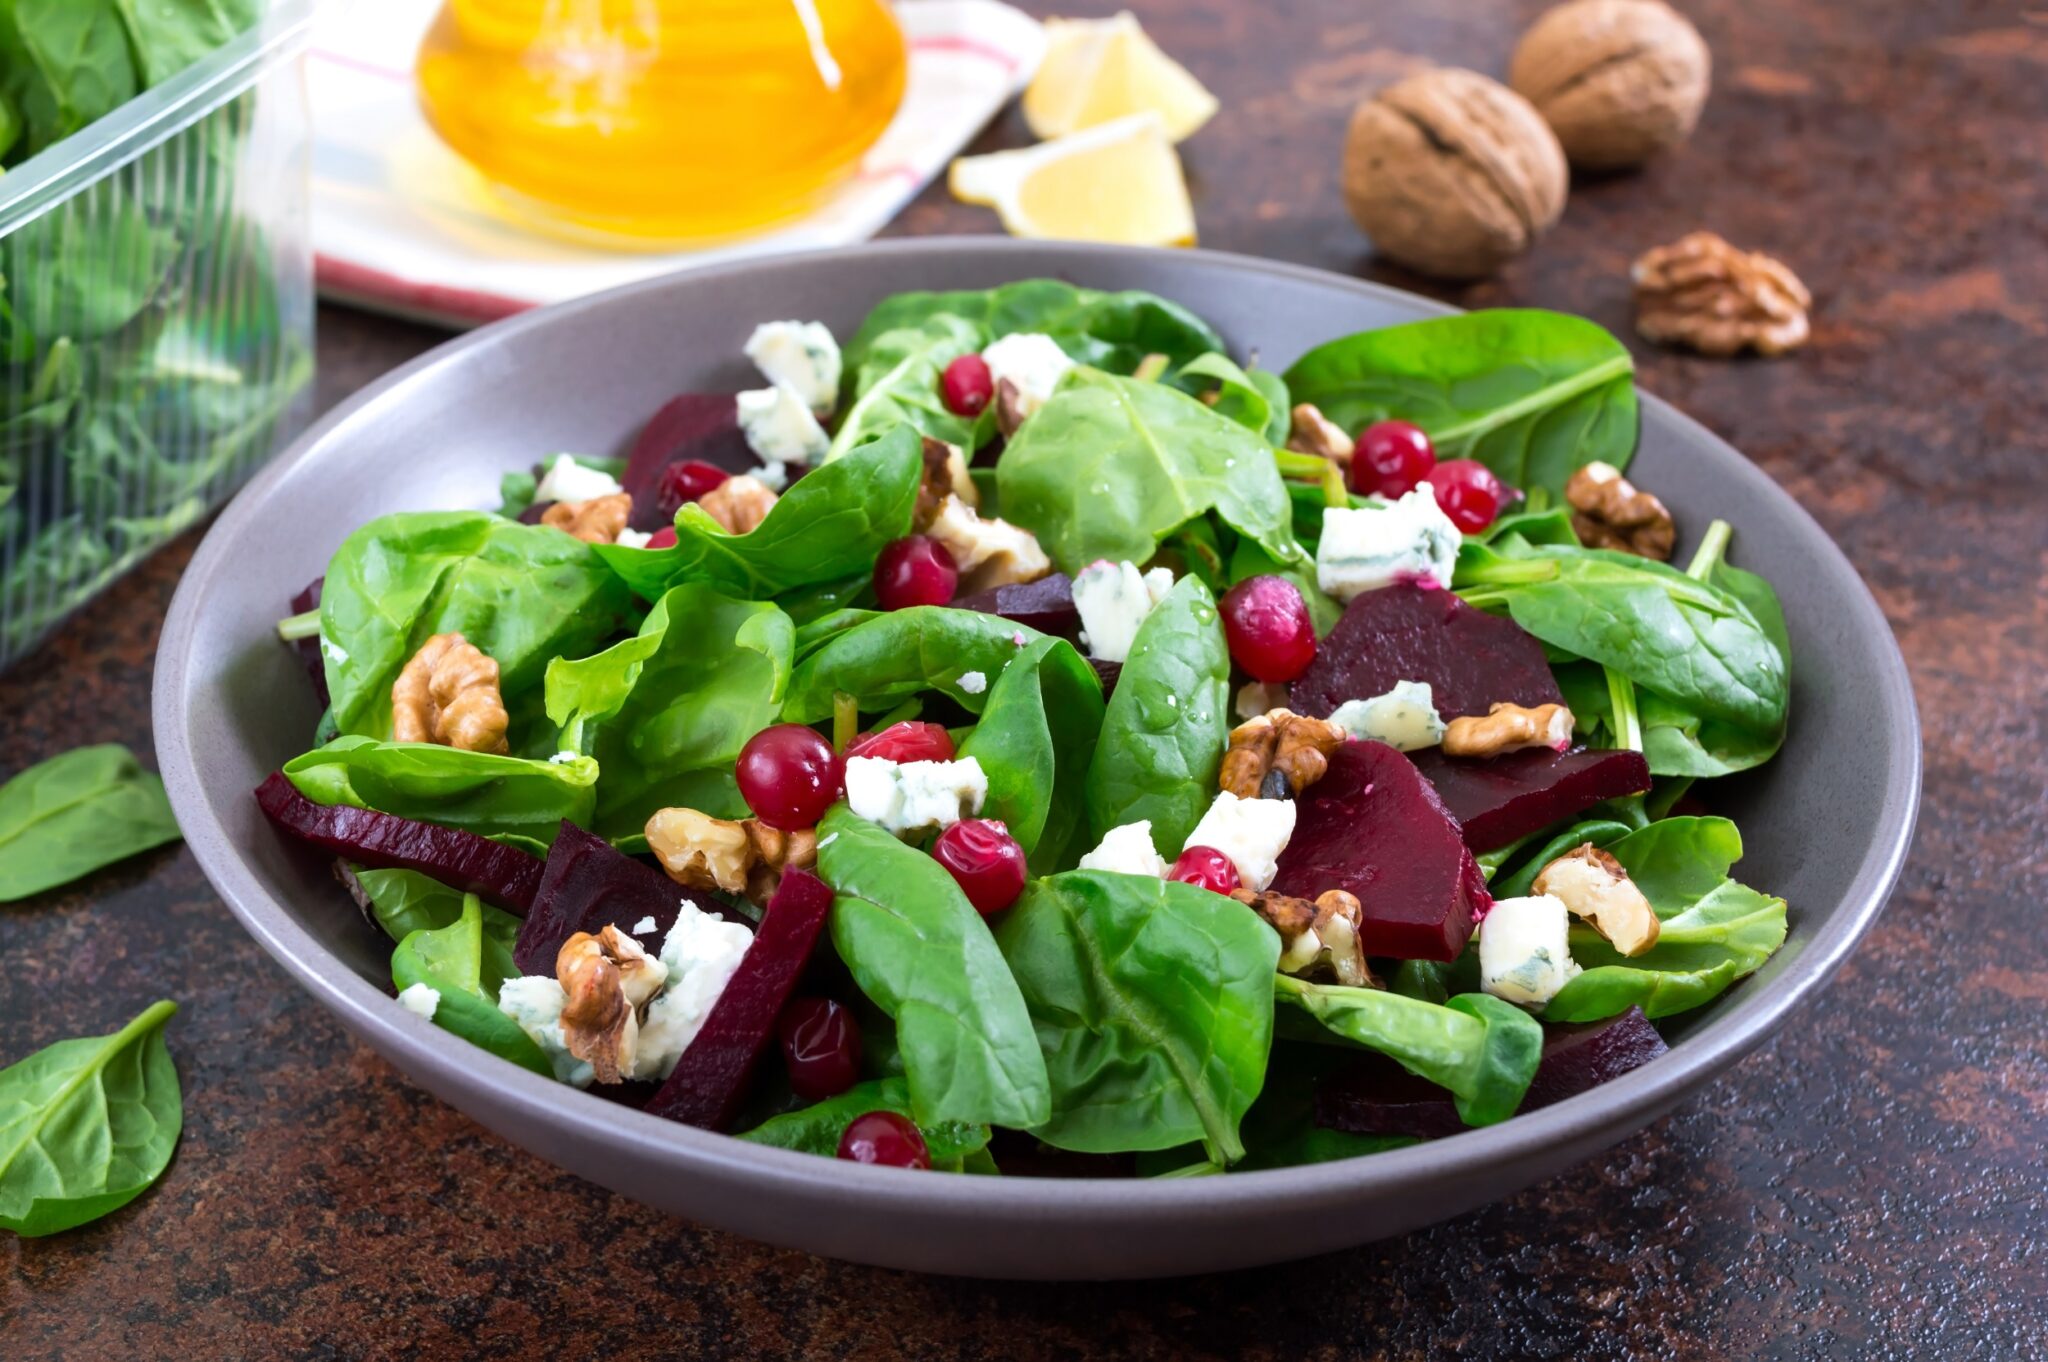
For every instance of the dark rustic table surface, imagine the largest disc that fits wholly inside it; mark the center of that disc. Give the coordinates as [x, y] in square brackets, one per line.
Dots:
[1870, 1184]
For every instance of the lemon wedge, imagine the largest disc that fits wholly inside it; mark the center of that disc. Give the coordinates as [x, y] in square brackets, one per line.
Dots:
[1118, 182]
[1096, 71]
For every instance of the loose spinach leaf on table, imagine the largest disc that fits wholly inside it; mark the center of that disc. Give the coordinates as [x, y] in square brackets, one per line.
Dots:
[1166, 725]
[524, 594]
[920, 952]
[666, 712]
[1533, 395]
[465, 965]
[1034, 742]
[1110, 466]
[897, 383]
[817, 1129]
[827, 527]
[1153, 1002]
[76, 812]
[86, 1125]
[509, 798]
[885, 659]
[1482, 1049]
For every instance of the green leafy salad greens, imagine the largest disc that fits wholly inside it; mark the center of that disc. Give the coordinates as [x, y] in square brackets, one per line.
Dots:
[1105, 1008]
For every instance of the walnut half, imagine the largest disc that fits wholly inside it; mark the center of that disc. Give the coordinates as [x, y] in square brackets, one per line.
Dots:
[1702, 293]
[1594, 886]
[739, 504]
[739, 857]
[1315, 936]
[1610, 512]
[448, 694]
[1278, 755]
[596, 521]
[1508, 728]
[1311, 432]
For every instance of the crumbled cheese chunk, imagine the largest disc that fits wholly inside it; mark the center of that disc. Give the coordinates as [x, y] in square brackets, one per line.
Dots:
[1405, 718]
[974, 683]
[987, 552]
[1255, 698]
[1113, 600]
[645, 925]
[630, 538]
[800, 356]
[1365, 548]
[535, 1001]
[422, 1000]
[568, 480]
[773, 476]
[1251, 832]
[1031, 361]
[1524, 954]
[906, 796]
[701, 952]
[333, 651]
[779, 426]
[563, 757]
[1128, 850]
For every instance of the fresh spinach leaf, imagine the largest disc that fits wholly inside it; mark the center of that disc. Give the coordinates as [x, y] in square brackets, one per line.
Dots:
[1034, 741]
[502, 797]
[1533, 395]
[897, 384]
[817, 1129]
[1257, 400]
[1167, 723]
[1529, 863]
[888, 658]
[405, 901]
[87, 1125]
[166, 36]
[1110, 466]
[920, 952]
[76, 812]
[1153, 1002]
[1280, 1131]
[466, 966]
[64, 64]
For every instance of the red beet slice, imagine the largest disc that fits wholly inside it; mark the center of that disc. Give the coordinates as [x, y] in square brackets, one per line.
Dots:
[1409, 632]
[308, 649]
[498, 874]
[1046, 605]
[1373, 826]
[589, 885]
[1498, 799]
[1577, 1058]
[711, 1077]
[691, 426]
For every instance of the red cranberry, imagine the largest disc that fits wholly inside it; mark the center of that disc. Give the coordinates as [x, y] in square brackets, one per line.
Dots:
[663, 538]
[685, 480]
[1266, 623]
[820, 1046]
[914, 570]
[886, 1138]
[1207, 867]
[789, 776]
[1391, 457]
[906, 741]
[985, 860]
[1468, 492]
[967, 385]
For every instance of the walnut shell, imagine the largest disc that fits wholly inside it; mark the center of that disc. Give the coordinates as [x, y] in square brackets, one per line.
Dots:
[1451, 173]
[1618, 80]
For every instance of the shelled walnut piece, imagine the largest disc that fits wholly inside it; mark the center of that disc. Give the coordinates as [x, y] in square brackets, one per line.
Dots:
[1594, 886]
[743, 856]
[739, 504]
[1315, 935]
[596, 521]
[945, 475]
[1278, 755]
[448, 694]
[1311, 432]
[1610, 512]
[607, 978]
[1508, 728]
[1704, 294]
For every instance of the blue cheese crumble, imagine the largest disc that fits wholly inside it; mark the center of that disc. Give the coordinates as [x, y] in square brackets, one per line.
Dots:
[1033, 363]
[779, 426]
[422, 1000]
[570, 481]
[799, 356]
[1405, 718]
[1251, 832]
[908, 796]
[1524, 955]
[1368, 547]
[1113, 599]
[1128, 850]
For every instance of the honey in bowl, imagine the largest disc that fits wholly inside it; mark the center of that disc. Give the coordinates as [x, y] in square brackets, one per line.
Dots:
[663, 120]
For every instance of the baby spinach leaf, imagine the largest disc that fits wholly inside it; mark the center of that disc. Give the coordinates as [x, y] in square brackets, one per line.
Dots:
[897, 383]
[524, 594]
[64, 64]
[887, 658]
[1530, 859]
[1481, 1048]
[1533, 395]
[167, 36]
[86, 1125]
[76, 812]
[1153, 1002]
[828, 526]
[1034, 741]
[666, 712]
[1676, 862]
[817, 1129]
[1257, 400]
[503, 797]
[465, 965]
[922, 954]
[1110, 466]
[1167, 723]
[1280, 1131]
[1727, 934]
[405, 901]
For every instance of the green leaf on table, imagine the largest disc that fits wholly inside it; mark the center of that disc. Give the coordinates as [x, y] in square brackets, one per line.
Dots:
[884, 659]
[77, 812]
[817, 1129]
[465, 965]
[1034, 742]
[86, 1125]
[500, 797]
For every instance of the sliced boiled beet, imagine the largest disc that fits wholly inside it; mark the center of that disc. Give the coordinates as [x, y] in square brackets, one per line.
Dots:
[1046, 605]
[1409, 632]
[691, 426]
[498, 874]
[308, 649]
[711, 1077]
[1373, 826]
[1498, 799]
[588, 885]
[1583, 1056]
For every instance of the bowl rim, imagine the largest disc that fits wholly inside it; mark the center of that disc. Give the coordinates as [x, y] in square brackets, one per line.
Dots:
[442, 1062]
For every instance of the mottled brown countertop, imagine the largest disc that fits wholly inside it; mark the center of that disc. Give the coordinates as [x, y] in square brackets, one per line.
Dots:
[1870, 1184]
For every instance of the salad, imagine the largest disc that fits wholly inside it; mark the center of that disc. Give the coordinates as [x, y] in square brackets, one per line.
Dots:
[1020, 737]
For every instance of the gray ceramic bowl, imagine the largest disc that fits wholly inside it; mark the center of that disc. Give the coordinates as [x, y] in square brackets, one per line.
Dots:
[1826, 824]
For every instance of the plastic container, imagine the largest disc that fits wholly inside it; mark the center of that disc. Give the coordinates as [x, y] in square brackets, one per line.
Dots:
[156, 320]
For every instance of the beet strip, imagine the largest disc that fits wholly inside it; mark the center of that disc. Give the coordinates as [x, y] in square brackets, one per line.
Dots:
[589, 885]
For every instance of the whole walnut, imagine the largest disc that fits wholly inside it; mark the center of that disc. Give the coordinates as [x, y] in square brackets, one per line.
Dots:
[1618, 80]
[1451, 173]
